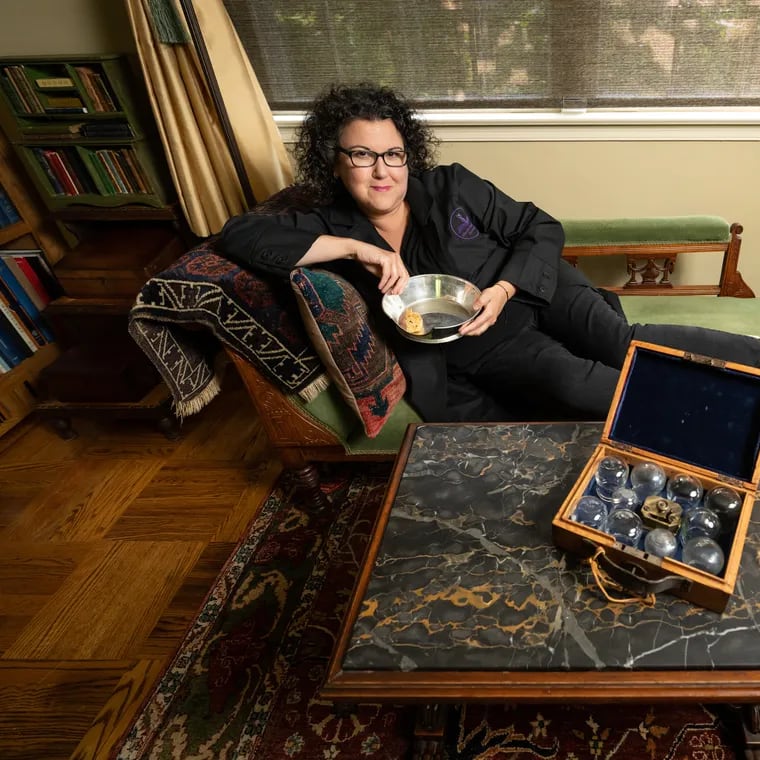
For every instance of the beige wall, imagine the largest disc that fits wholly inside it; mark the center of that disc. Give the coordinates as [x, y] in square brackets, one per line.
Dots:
[611, 179]
[568, 179]
[50, 27]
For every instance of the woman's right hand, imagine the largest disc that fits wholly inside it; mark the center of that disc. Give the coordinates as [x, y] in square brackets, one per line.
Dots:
[387, 266]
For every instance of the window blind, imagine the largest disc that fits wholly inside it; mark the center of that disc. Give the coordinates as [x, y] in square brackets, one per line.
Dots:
[523, 54]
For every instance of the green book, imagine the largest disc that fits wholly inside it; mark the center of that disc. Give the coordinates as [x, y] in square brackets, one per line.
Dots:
[97, 172]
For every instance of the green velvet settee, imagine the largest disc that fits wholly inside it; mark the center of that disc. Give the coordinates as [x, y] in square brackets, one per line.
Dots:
[183, 315]
[326, 429]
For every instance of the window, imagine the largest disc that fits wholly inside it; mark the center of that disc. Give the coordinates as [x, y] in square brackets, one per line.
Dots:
[516, 54]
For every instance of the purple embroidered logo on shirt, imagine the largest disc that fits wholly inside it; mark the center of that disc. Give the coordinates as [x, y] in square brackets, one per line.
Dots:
[461, 225]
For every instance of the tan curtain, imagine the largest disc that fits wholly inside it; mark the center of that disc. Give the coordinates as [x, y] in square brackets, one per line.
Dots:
[198, 154]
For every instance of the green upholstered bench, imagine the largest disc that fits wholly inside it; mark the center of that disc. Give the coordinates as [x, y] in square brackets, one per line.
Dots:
[651, 247]
[326, 430]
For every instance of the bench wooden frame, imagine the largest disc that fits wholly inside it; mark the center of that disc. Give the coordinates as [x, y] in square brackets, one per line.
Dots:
[299, 439]
[652, 277]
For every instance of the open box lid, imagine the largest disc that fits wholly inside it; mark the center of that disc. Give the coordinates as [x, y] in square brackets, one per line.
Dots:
[703, 412]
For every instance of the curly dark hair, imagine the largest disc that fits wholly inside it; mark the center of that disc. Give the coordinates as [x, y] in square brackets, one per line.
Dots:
[337, 106]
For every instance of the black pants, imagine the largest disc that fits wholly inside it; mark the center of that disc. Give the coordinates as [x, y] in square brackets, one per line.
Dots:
[566, 363]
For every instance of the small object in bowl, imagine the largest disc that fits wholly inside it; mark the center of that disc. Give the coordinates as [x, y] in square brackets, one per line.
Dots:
[412, 322]
[443, 302]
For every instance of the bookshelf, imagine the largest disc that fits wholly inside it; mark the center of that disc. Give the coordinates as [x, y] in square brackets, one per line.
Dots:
[23, 226]
[82, 132]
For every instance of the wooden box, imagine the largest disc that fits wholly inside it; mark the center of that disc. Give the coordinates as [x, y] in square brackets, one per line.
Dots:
[691, 414]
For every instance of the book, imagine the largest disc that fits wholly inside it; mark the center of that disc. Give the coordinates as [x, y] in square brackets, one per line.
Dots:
[54, 129]
[4, 366]
[113, 172]
[68, 157]
[59, 101]
[79, 171]
[54, 83]
[98, 173]
[61, 171]
[34, 280]
[126, 171]
[12, 316]
[107, 129]
[36, 259]
[96, 89]
[143, 185]
[24, 88]
[12, 347]
[55, 185]
[9, 212]
[15, 99]
[18, 299]
[64, 154]
[138, 169]
[65, 109]
[23, 280]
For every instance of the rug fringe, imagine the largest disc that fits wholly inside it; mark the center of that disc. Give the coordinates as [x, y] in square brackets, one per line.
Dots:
[314, 388]
[194, 405]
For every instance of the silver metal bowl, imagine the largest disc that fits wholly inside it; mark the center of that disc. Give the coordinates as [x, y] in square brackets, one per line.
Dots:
[443, 301]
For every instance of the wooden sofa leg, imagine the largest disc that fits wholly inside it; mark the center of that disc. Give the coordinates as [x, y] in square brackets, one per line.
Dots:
[307, 478]
[305, 473]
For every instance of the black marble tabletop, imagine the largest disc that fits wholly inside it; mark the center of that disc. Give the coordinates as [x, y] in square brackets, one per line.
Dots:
[467, 576]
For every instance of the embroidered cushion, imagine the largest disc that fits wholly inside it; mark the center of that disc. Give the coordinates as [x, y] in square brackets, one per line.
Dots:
[359, 362]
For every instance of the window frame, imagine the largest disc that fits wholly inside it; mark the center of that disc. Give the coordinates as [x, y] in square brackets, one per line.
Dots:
[573, 125]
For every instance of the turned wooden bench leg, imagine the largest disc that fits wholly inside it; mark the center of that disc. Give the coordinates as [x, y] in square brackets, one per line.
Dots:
[307, 478]
[305, 474]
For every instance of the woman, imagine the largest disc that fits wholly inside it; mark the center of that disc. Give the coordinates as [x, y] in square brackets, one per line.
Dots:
[546, 344]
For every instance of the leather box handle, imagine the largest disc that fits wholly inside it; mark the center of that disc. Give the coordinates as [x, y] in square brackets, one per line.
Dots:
[631, 577]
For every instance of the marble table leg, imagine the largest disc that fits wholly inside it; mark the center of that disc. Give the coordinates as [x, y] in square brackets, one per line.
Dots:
[428, 731]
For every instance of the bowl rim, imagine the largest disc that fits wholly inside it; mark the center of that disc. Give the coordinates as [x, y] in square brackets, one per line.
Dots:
[422, 339]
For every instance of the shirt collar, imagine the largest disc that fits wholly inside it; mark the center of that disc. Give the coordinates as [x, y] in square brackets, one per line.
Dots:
[419, 199]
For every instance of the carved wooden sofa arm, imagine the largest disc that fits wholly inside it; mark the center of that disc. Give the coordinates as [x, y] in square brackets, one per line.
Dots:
[323, 430]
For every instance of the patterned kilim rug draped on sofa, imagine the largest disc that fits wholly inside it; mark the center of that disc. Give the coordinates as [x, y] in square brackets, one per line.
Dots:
[245, 682]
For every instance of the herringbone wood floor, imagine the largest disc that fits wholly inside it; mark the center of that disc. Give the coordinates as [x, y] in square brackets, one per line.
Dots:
[108, 545]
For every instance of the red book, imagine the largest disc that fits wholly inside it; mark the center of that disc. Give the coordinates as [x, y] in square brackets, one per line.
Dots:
[23, 281]
[34, 280]
[61, 172]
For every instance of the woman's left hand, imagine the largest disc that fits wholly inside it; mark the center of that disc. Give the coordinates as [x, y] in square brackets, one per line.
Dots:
[493, 300]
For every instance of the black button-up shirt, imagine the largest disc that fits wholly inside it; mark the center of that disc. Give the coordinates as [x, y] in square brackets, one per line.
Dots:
[466, 227]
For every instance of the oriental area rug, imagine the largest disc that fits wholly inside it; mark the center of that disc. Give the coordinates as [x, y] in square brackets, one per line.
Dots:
[245, 682]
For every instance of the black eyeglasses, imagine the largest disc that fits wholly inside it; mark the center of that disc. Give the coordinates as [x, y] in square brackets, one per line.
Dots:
[363, 157]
